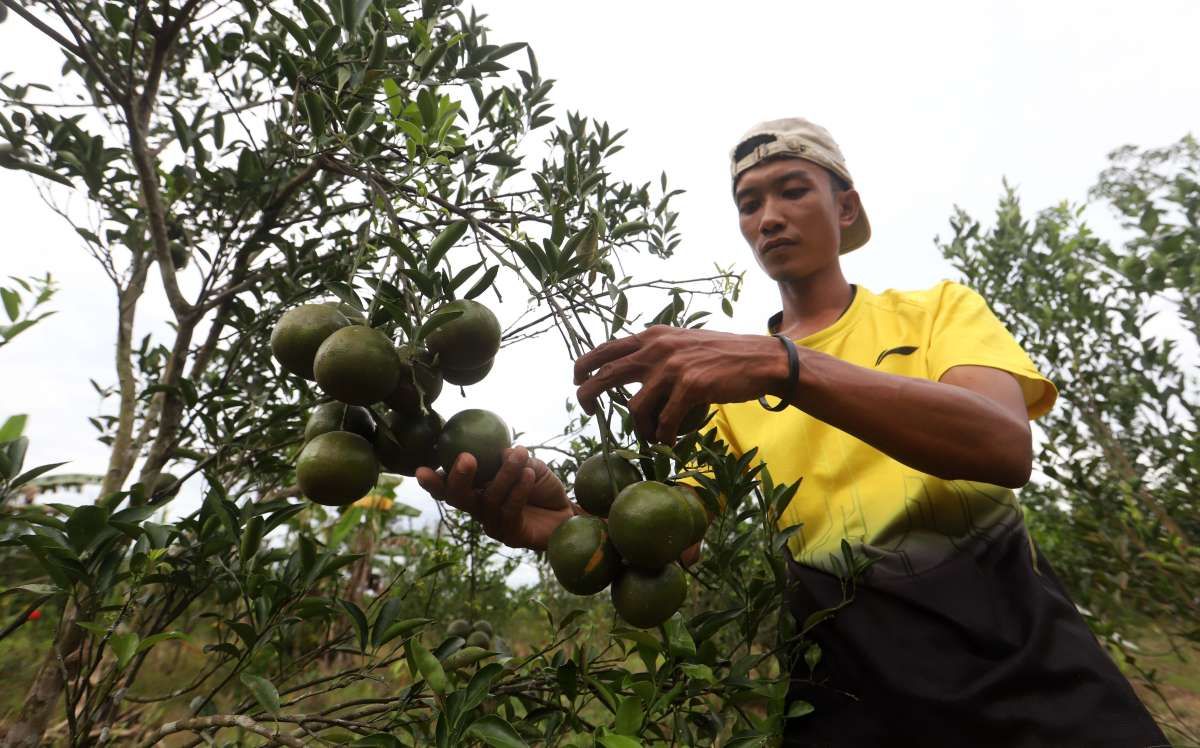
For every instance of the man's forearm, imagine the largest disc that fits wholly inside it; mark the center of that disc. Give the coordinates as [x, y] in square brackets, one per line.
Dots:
[940, 429]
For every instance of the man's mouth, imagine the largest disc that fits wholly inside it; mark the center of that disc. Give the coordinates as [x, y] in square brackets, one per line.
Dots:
[776, 244]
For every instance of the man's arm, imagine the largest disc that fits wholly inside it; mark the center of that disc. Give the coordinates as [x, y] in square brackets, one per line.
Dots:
[971, 425]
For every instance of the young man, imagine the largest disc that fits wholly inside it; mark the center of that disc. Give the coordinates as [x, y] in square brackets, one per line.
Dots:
[907, 416]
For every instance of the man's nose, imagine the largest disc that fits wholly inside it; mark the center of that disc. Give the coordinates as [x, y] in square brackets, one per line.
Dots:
[772, 220]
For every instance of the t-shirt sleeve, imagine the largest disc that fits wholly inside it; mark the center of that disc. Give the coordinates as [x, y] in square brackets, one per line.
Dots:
[966, 333]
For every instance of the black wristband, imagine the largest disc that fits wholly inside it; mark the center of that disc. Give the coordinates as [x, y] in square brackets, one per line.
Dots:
[793, 374]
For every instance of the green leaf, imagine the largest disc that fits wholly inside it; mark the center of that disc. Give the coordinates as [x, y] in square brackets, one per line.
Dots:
[444, 241]
[84, 524]
[249, 169]
[400, 628]
[812, 656]
[32, 473]
[798, 709]
[292, 28]
[698, 672]
[12, 303]
[150, 641]
[124, 646]
[630, 227]
[359, 619]
[437, 320]
[36, 589]
[314, 110]
[428, 666]
[481, 683]
[264, 692]
[134, 514]
[355, 11]
[618, 741]
[483, 284]
[496, 732]
[387, 616]
[13, 427]
[500, 159]
[678, 638]
[629, 716]
[395, 97]
[465, 657]
[252, 536]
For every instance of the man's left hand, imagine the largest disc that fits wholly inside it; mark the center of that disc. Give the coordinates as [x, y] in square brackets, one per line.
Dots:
[681, 368]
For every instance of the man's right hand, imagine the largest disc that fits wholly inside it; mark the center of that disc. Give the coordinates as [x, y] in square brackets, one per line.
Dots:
[521, 507]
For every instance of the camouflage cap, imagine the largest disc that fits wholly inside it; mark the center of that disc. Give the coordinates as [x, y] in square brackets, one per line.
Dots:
[802, 139]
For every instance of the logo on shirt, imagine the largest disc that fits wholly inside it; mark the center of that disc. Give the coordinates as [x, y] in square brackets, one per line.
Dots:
[904, 350]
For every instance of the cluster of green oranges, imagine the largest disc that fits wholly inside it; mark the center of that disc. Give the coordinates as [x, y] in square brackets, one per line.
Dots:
[479, 634]
[346, 443]
[649, 525]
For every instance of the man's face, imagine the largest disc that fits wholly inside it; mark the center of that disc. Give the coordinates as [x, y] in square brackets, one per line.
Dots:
[792, 218]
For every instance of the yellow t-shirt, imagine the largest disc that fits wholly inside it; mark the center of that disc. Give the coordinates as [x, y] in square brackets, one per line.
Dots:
[909, 520]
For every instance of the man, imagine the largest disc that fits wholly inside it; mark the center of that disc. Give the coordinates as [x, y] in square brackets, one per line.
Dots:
[907, 416]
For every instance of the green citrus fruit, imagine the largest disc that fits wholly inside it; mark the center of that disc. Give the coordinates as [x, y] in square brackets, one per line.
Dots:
[409, 441]
[300, 332]
[699, 512]
[584, 560]
[357, 365]
[693, 419]
[647, 598]
[484, 626]
[418, 376]
[479, 432]
[459, 627]
[466, 377]
[708, 652]
[337, 468]
[468, 341]
[335, 416]
[598, 482]
[651, 524]
[479, 639]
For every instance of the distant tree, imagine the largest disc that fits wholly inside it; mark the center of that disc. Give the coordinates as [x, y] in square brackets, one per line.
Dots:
[1115, 324]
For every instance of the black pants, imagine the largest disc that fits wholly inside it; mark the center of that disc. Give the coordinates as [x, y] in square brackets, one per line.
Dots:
[981, 650]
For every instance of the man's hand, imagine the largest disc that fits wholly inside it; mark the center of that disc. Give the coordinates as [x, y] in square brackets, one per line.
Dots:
[680, 368]
[521, 507]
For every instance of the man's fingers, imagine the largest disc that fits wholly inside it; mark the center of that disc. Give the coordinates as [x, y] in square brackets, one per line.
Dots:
[602, 354]
[607, 376]
[512, 511]
[460, 484]
[498, 490]
[669, 417]
[428, 479]
[645, 406]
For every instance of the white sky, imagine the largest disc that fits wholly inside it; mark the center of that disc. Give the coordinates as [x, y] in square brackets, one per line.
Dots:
[933, 103]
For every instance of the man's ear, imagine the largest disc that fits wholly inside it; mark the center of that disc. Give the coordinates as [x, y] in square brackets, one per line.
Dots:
[849, 206]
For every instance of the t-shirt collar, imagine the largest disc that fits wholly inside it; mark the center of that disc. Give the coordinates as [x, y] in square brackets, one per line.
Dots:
[848, 318]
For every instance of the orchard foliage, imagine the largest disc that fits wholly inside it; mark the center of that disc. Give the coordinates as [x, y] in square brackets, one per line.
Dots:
[241, 158]
[1115, 324]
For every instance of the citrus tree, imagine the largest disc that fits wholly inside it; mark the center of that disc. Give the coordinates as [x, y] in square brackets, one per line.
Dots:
[1111, 323]
[372, 158]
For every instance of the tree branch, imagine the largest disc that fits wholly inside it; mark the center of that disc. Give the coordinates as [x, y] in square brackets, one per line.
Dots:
[199, 724]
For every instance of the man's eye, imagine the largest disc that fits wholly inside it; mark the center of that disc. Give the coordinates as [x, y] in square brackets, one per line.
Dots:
[795, 192]
[748, 207]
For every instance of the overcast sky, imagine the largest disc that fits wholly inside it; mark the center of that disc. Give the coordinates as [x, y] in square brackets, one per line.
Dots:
[933, 104]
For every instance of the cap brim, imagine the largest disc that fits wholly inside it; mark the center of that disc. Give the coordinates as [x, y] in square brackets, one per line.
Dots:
[858, 234]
